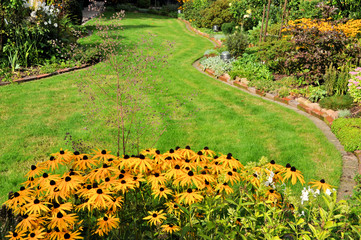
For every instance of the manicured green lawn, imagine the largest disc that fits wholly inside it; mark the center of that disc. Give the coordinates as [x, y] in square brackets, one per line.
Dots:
[35, 116]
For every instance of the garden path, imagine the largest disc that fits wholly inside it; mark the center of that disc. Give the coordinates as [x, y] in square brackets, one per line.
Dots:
[91, 11]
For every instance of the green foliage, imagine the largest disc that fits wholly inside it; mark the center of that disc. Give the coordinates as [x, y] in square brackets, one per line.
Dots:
[305, 9]
[216, 14]
[275, 53]
[336, 80]
[143, 3]
[217, 65]
[73, 9]
[337, 102]
[316, 93]
[228, 28]
[344, 113]
[237, 43]
[354, 86]
[250, 67]
[348, 131]
[347, 8]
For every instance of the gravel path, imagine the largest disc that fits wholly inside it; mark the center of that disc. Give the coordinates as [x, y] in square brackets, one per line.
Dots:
[93, 10]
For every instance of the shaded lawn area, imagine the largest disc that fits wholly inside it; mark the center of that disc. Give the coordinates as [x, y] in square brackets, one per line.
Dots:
[35, 116]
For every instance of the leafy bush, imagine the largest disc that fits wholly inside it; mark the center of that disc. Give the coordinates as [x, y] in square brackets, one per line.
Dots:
[237, 43]
[275, 54]
[251, 68]
[217, 65]
[228, 28]
[143, 3]
[216, 14]
[336, 80]
[337, 102]
[192, 9]
[128, 7]
[73, 9]
[316, 93]
[348, 131]
[180, 193]
[315, 50]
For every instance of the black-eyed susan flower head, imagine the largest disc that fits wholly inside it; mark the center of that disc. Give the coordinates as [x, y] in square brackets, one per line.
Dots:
[155, 217]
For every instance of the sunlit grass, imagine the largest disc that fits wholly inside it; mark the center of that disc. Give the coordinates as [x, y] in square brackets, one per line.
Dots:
[35, 116]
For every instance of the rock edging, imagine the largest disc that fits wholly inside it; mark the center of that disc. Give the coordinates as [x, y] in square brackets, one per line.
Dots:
[351, 164]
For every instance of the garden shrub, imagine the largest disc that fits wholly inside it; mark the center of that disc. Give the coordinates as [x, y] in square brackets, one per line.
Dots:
[336, 80]
[180, 193]
[73, 9]
[305, 9]
[316, 93]
[315, 50]
[348, 131]
[216, 14]
[217, 65]
[228, 28]
[192, 9]
[237, 43]
[250, 67]
[143, 3]
[337, 102]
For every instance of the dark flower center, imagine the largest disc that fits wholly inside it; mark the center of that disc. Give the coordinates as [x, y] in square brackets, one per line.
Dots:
[16, 194]
[170, 225]
[200, 153]
[255, 175]
[288, 165]
[56, 205]
[206, 148]
[229, 156]
[171, 150]
[107, 179]
[157, 152]
[25, 216]
[135, 178]
[105, 165]
[188, 147]
[52, 183]
[322, 181]
[76, 153]
[168, 158]
[123, 171]
[52, 158]
[126, 156]
[161, 189]
[68, 179]
[105, 218]
[104, 152]
[110, 159]
[32, 235]
[216, 163]
[230, 173]
[273, 162]
[141, 156]
[36, 201]
[177, 166]
[85, 157]
[33, 167]
[215, 157]
[204, 172]
[156, 175]
[206, 182]
[189, 190]
[95, 185]
[66, 236]
[59, 215]
[45, 175]
[293, 169]
[123, 182]
[89, 187]
[99, 191]
[187, 168]
[187, 160]
[175, 206]
[62, 152]
[15, 234]
[225, 184]
[238, 219]
[121, 176]
[271, 191]
[190, 173]
[155, 215]
[176, 148]
[205, 167]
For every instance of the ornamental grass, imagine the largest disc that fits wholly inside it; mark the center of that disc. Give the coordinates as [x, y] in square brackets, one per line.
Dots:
[177, 194]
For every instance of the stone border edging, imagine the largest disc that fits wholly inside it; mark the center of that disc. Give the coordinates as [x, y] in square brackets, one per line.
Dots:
[322, 120]
[45, 75]
[188, 24]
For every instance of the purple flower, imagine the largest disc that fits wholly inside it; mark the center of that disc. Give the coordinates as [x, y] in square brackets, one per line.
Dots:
[350, 84]
[356, 83]
[358, 77]
[358, 88]
[358, 69]
[353, 73]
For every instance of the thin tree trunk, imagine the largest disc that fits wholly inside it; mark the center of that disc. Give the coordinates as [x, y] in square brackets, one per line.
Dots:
[2, 27]
[283, 17]
[265, 29]
[261, 32]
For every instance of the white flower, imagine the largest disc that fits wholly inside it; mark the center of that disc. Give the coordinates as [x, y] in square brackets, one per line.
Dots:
[55, 25]
[317, 191]
[328, 192]
[246, 16]
[230, 4]
[303, 213]
[304, 195]
[49, 21]
[6, 22]
[45, 23]
[33, 14]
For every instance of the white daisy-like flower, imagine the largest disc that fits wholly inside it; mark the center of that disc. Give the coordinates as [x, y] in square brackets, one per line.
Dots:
[55, 25]
[328, 192]
[33, 14]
